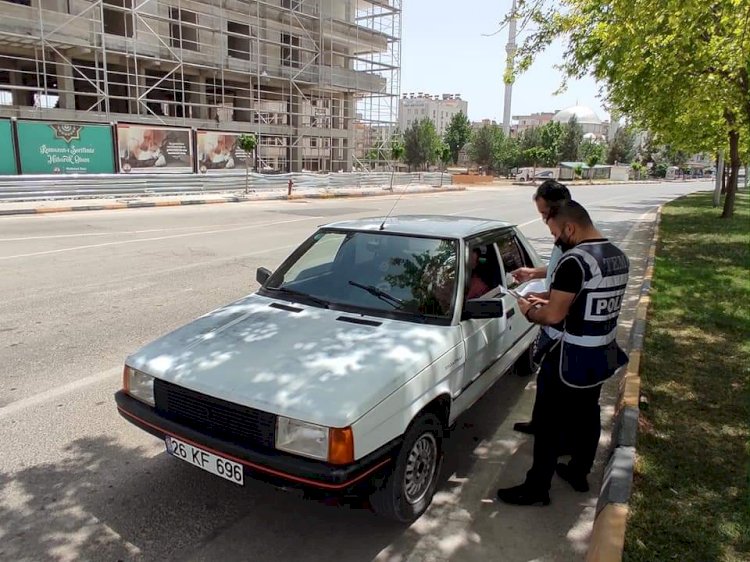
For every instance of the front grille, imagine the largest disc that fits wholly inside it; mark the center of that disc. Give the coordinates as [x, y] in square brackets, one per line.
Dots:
[214, 417]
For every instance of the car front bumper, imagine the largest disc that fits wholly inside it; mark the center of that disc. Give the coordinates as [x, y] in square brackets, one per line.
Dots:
[275, 467]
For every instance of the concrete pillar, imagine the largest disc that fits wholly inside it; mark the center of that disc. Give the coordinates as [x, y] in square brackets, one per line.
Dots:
[141, 106]
[65, 83]
[349, 144]
[243, 104]
[199, 97]
[295, 149]
[20, 97]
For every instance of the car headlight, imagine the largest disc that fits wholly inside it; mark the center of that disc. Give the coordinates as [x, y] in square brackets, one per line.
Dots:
[315, 441]
[139, 385]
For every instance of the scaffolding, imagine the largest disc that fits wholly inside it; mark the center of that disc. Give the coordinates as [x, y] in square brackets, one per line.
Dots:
[317, 81]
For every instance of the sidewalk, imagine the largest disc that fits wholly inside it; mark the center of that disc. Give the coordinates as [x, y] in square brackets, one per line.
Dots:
[104, 204]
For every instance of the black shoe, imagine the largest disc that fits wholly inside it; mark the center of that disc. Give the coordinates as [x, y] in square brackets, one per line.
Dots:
[524, 427]
[523, 495]
[577, 481]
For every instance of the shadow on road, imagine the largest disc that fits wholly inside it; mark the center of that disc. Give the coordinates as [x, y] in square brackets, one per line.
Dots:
[162, 509]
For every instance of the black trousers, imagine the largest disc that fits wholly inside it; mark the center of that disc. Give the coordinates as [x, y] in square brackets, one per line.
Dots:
[562, 414]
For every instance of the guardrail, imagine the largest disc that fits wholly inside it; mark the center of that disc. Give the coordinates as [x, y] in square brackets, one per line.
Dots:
[19, 188]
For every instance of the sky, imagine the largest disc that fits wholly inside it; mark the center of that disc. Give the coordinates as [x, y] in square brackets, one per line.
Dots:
[443, 50]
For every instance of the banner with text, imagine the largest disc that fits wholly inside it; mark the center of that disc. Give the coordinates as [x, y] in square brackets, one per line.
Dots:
[7, 149]
[145, 149]
[65, 148]
[219, 152]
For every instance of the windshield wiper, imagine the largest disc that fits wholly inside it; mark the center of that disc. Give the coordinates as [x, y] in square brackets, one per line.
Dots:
[396, 302]
[381, 294]
[300, 294]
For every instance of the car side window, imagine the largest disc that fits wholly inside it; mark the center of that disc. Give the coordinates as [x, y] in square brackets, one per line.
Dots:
[483, 273]
[513, 254]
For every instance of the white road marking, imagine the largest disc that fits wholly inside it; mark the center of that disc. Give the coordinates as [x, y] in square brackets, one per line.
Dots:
[123, 242]
[118, 232]
[57, 392]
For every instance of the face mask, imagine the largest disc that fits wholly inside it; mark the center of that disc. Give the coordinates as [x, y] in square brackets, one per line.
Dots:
[563, 243]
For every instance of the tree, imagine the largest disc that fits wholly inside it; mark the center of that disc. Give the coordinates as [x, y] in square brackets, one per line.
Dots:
[421, 143]
[509, 155]
[570, 141]
[622, 148]
[445, 156]
[551, 135]
[674, 156]
[536, 156]
[397, 153]
[457, 134]
[248, 143]
[679, 69]
[547, 139]
[486, 144]
[592, 153]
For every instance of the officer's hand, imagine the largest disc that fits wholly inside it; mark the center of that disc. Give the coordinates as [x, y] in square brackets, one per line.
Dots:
[524, 305]
[536, 300]
[523, 274]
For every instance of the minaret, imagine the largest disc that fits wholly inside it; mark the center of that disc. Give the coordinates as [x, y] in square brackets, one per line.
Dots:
[510, 49]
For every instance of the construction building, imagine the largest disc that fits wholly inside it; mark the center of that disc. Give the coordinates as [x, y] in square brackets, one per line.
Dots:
[303, 75]
[438, 109]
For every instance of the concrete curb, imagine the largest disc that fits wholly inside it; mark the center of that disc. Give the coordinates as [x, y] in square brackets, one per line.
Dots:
[608, 536]
[66, 208]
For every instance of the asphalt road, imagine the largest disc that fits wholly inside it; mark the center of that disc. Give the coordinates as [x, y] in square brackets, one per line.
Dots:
[83, 290]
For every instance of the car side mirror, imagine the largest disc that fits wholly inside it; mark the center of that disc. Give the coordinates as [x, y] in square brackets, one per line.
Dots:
[262, 275]
[476, 309]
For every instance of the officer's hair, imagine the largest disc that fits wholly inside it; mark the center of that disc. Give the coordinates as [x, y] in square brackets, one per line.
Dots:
[552, 191]
[570, 211]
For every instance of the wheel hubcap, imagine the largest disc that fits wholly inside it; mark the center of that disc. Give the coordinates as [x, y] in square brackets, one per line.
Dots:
[420, 468]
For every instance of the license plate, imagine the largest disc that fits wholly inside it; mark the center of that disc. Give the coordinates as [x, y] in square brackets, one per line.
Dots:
[209, 462]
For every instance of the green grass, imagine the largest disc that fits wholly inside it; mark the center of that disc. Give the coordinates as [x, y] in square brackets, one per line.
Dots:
[690, 498]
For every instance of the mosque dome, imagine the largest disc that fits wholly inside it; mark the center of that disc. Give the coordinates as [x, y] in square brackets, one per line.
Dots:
[585, 115]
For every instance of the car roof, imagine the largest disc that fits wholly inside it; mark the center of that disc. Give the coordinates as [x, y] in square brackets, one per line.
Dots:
[443, 226]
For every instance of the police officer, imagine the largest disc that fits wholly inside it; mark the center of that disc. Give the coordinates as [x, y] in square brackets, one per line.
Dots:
[581, 315]
[549, 194]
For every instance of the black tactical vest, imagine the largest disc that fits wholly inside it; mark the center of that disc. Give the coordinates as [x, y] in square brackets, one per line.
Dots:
[589, 353]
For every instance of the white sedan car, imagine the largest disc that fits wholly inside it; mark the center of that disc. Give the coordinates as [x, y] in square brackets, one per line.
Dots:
[346, 369]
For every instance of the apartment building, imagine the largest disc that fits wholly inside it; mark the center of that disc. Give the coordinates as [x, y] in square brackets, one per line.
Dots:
[438, 109]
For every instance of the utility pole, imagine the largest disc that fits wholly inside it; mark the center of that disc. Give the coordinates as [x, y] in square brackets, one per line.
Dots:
[510, 50]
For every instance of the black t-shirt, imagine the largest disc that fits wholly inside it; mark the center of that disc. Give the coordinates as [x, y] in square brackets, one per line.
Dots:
[568, 276]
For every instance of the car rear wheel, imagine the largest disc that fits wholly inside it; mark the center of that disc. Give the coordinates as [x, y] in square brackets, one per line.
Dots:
[406, 492]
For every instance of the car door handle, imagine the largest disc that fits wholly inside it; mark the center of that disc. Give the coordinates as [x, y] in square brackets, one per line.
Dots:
[510, 312]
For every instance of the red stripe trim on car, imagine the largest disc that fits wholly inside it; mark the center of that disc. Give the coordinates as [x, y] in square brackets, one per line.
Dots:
[257, 466]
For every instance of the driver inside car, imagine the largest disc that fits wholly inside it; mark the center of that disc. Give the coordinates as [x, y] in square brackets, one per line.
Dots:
[477, 285]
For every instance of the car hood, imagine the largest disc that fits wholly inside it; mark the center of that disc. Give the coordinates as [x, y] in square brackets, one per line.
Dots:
[307, 365]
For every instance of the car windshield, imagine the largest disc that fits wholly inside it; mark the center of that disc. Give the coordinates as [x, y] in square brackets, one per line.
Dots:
[373, 271]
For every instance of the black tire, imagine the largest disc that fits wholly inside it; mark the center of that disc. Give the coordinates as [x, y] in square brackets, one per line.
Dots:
[525, 366]
[403, 495]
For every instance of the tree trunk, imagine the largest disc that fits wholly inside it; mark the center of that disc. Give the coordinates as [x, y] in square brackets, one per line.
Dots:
[719, 178]
[734, 164]
[247, 174]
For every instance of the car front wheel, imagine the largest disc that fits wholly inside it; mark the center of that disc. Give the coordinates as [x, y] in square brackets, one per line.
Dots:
[406, 492]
